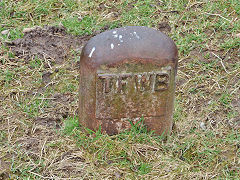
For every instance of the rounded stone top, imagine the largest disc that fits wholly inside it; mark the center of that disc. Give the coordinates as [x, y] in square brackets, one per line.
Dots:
[129, 43]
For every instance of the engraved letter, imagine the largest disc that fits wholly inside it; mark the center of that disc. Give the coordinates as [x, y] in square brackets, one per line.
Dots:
[122, 83]
[107, 83]
[146, 82]
[161, 82]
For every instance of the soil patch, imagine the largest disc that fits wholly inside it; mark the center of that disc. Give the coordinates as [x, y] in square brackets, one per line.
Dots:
[49, 42]
[54, 45]
[164, 27]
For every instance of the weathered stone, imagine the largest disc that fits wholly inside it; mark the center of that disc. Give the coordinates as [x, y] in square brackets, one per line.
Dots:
[5, 32]
[125, 74]
[27, 30]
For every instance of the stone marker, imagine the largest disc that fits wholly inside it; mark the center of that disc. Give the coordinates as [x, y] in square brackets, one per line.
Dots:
[125, 74]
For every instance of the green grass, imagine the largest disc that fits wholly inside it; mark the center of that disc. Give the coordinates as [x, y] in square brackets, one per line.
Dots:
[40, 136]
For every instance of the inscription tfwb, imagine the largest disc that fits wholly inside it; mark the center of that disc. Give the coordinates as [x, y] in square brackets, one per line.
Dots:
[140, 82]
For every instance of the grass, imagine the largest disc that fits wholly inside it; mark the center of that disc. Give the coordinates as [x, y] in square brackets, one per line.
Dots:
[39, 132]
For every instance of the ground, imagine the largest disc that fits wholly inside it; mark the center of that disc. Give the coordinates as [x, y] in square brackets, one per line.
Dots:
[40, 46]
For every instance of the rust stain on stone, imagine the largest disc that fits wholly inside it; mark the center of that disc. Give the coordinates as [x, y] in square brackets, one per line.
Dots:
[125, 74]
